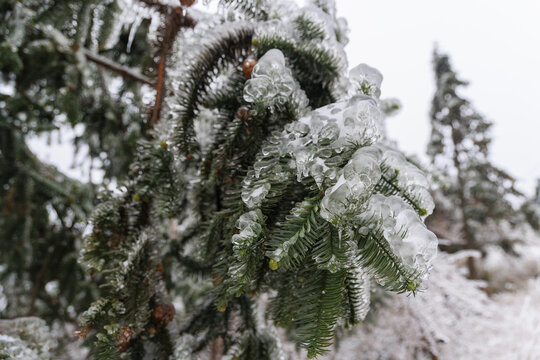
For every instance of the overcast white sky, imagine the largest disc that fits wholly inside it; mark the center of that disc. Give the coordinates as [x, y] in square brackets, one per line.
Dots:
[493, 43]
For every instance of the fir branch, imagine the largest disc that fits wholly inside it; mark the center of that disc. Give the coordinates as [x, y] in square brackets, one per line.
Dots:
[318, 310]
[356, 295]
[314, 68]
[375, 254]
[388, 185]
[226, 46]
[298, 233]
[253, 9]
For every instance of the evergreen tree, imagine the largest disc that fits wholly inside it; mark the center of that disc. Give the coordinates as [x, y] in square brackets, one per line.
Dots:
[459, 147]
[261, 172]
[531, 209]
[67, 64]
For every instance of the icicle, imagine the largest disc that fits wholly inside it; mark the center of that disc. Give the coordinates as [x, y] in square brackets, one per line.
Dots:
[134, 26]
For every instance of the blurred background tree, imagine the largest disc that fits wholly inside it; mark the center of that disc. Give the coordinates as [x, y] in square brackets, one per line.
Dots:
[478, 195]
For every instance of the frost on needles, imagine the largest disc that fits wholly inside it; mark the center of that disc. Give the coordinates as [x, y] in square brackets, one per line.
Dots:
[279, 181]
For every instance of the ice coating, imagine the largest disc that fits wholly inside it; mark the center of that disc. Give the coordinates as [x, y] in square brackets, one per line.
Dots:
[362, 303]
[250, 229]
[366, 79]
[404, 230]
[204, 127]
[315, 143]
[249, 225]
[272, 84]
[409, 178]
[267, 169]
[355, 184]
[253, 196]
[319, 19]
[330, 40]
[312, 140]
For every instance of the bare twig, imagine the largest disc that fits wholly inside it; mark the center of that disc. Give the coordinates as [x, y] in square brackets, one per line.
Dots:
[122, 70]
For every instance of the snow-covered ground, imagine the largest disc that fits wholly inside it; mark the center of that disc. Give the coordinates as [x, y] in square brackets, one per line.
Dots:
[451, 319]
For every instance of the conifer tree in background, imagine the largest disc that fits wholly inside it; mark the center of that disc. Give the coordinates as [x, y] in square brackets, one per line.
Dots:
[459, 148]
[262, 172]
[531, 209]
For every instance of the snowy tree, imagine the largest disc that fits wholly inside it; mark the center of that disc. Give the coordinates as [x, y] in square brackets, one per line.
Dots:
[459, 147]
[262, 171]
[532, 208]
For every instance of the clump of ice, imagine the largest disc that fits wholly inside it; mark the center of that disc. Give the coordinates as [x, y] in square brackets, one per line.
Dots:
[409, 178]
[366, 80]
[315, 144]
[253, 196]
[354, 186]
[249, 226]
[314, 139]
[402, 228]
[272, 84]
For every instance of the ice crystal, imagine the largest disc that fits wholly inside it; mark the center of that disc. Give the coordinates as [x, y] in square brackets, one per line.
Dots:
[354, 185]
[410, 178]
[254, 196]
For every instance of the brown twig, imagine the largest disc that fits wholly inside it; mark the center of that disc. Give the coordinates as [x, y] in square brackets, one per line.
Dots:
[175, 19]
[216, 349]
[165, 8]
[122, 70]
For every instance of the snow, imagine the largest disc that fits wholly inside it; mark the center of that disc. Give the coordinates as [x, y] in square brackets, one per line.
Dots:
[26, 338]
[451, 319]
